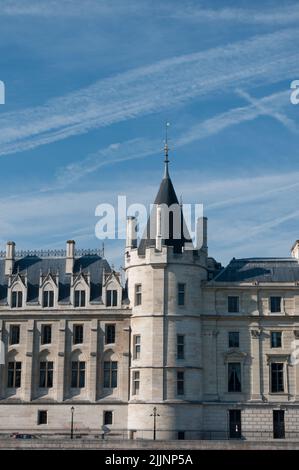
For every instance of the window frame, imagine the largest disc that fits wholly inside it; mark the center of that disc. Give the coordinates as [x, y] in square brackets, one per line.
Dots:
[181, 294]
[12, 328]
[48, 298]
[274, 310]
[46, 338]
[78, 372]
[180, 383]
[111, 298]
[230, 365]
[80, 298]
[180, 347]
[78, 339]
[282, 371]
[39, 420]
[109, 326]
[48, 371]
[231, 342]
[110, 371]
[136, 347]
[138, 294]
[108, 413]
[229, 299]
[136, 382]
[272, 341]
[17, 298]
[16, 372]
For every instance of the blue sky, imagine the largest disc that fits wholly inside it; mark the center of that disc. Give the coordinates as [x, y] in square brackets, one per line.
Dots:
[89, 87]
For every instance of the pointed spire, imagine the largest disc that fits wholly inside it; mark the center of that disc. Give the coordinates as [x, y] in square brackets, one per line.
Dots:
[166, 150]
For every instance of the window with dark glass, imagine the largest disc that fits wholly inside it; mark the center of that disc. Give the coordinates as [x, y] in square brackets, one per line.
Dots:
[110, 374]
[111, 298]
[17, 299]
[14, 374]
[180, 346]
[181, 294]
[109, 334]
[46, 334]
[233, 339]
[138, 294]
[48, 298]
[180, 383]
[181, 435]
[78, 374]
[108, 417]
[77, 334]
[80, 298]
[276, 339]
[42, 417]
[137, 346]
[14, 334]
[277, 384]
[234, 377]
[233, 304]
[275, 304]
[136, 382]
[46, 374]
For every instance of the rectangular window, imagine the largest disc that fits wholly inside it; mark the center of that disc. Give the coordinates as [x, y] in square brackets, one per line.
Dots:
[46, 374]
[137, 346]
[77, 334]
[42, 417]
[277, 377]
[136, 382]
[181, 435]
[180, 383]
[180, 346]
[181, 294]
[48, 298]
[278, 424]
[233, 339]
[111, 298]
[14, 374]
[275, 304]
[108, 417]
[109, 334]
[14, 334]
[110, 374]
[46, 334]
[138, 294]
[17, 299]
[234, 377]
[233, 304]
[276, 339]
[78, 374]
[80, 298]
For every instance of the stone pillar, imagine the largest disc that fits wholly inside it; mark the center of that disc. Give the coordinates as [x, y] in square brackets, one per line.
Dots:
[26, 378]
[92, 372]
[60, 363]
[255, 365]
[2, 366]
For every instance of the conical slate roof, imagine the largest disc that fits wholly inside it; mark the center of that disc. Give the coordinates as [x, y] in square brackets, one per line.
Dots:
[175, 224]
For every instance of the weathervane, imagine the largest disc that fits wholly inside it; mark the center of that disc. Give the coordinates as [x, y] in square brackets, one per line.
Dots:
[166, 150]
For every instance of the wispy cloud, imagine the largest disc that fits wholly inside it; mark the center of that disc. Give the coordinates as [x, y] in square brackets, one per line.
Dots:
[288, 14]
[261, 59]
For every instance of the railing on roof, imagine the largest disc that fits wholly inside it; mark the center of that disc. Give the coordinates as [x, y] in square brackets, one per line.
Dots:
[56, 253]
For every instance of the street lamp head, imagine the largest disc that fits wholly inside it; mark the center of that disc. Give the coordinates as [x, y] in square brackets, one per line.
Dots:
[72, 409]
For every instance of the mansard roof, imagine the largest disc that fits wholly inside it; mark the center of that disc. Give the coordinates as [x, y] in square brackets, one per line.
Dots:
[33, 266]
[260, 270]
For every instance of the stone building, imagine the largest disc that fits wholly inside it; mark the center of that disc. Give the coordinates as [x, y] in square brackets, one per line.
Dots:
[212, 349]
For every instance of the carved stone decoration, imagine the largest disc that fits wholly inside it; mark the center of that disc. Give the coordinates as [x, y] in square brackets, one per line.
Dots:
[255, 333]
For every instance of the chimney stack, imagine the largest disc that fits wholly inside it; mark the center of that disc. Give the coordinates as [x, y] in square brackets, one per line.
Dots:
[131, 233]
[10, 257]
[70, 256]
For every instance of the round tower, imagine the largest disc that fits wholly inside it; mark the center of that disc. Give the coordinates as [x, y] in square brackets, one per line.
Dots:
[164, 273]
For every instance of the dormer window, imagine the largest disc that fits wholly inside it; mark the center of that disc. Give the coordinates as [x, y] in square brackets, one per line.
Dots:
[111, 298]
[80, 298]
[17, 299]
[48, 298]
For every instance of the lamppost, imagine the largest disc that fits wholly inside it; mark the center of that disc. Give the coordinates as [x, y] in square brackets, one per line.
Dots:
[155, 414]
[72, 422]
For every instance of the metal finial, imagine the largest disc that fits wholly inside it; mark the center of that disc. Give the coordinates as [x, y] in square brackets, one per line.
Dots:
[166, 150]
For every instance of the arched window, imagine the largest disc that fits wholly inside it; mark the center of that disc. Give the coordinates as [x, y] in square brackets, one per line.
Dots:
[78, 369]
